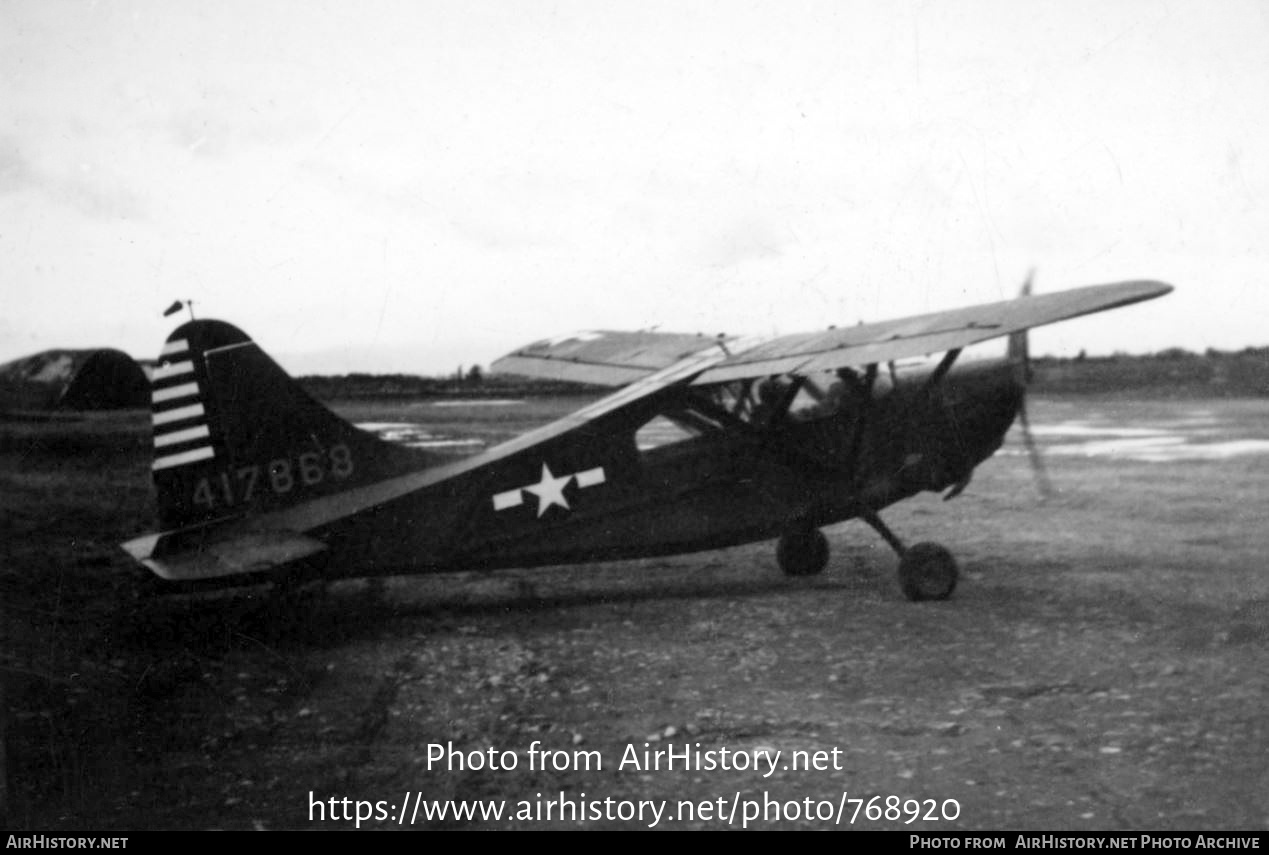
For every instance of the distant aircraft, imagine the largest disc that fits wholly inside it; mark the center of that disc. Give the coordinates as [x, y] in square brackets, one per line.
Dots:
[762, 438]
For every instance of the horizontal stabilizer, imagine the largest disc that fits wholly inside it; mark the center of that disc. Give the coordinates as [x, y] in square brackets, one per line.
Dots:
[252, 552]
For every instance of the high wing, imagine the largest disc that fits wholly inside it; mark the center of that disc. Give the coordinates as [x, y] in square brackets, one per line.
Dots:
[922, 334]
[616, 358]
[603, 357]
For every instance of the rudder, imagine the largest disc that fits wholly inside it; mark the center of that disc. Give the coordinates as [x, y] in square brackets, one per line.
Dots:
[235, 434]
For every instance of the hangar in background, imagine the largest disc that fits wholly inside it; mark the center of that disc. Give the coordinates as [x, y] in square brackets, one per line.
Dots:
[98, 379]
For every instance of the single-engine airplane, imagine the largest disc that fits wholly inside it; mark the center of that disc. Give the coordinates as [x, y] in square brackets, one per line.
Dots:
[773, 438]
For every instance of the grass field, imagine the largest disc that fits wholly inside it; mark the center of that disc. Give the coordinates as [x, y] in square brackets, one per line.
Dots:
[1101, 666]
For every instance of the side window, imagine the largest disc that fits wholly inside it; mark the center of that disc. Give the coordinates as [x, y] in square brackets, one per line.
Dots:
[661, 432]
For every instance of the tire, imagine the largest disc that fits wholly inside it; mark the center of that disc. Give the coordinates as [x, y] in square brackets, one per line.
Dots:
[803, 552]
[927, 571]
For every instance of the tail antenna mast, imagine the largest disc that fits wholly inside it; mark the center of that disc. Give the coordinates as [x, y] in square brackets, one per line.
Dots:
[178, 305]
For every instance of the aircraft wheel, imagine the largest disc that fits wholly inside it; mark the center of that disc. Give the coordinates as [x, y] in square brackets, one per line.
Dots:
[802, 552]
[927, 571]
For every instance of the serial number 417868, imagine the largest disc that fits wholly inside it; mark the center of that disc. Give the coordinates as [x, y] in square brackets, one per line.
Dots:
[240, 484]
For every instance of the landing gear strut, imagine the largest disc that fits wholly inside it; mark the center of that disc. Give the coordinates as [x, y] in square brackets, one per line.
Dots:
[927, 571]
[802, 551]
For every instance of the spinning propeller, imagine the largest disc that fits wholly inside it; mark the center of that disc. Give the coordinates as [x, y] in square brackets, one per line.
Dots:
[1019, 354]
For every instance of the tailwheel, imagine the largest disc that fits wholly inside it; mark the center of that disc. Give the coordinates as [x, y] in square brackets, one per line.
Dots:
[927, 571]
[802, 551]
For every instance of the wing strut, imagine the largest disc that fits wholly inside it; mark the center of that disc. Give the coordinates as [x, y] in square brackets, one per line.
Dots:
[945, 365]
[864, 396]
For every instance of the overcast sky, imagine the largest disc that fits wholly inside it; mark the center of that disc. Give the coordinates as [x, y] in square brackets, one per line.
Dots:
[412, 186]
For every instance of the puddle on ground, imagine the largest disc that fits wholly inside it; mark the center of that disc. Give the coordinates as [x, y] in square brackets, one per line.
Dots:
[418, 436]
[1199, 435]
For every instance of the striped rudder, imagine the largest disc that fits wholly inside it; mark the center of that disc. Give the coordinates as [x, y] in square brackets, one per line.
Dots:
[181, 433]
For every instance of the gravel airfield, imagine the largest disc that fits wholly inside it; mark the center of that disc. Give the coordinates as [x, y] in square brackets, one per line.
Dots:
[1101, 666]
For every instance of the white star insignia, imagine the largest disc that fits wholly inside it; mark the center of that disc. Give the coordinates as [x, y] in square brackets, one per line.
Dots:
[550, 490]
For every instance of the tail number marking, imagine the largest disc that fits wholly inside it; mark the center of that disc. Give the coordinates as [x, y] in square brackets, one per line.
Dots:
[279, 477]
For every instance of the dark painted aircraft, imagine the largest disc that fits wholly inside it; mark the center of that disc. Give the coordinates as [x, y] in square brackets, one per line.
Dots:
[709, 442]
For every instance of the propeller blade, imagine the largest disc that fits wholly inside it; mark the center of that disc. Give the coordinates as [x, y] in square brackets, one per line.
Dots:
[1042, 481]
[1020, 355]
[1019, 352]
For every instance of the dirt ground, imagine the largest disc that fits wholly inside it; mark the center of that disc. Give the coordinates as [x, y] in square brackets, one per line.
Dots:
[1102, 664]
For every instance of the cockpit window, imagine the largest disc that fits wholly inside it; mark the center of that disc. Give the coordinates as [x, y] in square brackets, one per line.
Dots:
[817, 399]
[816, 396]
[765, 402]
[824, 395]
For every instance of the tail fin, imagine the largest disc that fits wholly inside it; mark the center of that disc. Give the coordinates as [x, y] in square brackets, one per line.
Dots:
[234, 434]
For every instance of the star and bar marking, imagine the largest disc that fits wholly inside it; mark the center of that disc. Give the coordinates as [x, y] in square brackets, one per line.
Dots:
[549, 489]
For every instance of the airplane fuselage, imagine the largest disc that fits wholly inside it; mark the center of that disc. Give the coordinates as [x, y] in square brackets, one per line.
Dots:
[599, 496]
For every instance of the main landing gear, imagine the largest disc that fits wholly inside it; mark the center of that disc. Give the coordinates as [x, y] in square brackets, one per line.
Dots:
[802, 551]
[927, 571]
